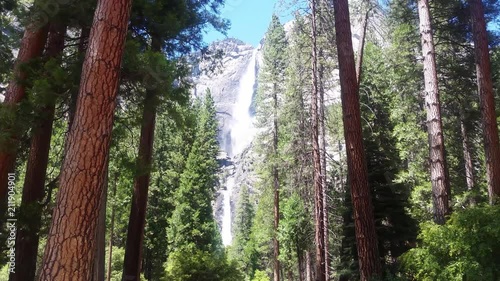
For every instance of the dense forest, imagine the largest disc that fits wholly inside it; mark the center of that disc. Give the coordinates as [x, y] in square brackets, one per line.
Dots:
[374, 152]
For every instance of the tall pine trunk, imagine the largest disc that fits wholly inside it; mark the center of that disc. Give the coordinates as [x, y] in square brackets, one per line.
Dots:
[318, 190]
[486, 99]
[137, 219]
[32, 46]
[468, 164]
[322, 149]
[439, 175]
[364, 221]
[308, 266]
[276, 186]
[70, 248]
[36, 170]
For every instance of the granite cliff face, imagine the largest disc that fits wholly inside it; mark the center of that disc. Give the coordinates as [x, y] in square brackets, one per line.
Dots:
[233, 86]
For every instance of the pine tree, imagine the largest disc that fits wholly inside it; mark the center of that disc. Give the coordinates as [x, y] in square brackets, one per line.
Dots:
[32, 46]
[366, 237]
[486, 98]
[34, 182]
[192, 224]
[241, 250]
[438, 167]
[271, 83]
[70, 245]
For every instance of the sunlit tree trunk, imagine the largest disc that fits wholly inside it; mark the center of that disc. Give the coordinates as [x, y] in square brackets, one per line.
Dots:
[36, 170]
[439, 175]
[322, 148]
[467, 154]
[486, 99]
[364, 221]
[318, 188]
[70, 249]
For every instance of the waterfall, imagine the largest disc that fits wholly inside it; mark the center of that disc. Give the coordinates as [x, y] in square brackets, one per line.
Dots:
[242, 132]
[242, 128]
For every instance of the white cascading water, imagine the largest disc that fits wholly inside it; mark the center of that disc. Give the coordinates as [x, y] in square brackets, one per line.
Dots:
[242, 133]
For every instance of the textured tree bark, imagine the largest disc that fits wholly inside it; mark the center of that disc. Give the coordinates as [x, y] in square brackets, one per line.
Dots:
[469, 167]
[308, 266]
[364, 221]
[322, 149]
[438, 168]
[137, 219]
[36, 168]
[70, 251]
[486, 99]
[32, 46]
[276, 186]
[318, 187]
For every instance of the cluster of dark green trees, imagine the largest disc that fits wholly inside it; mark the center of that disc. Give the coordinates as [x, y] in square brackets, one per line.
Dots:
[382, 185]
[115, 163]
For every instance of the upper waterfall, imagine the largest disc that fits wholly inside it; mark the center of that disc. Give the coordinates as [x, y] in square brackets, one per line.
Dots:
[242, 129]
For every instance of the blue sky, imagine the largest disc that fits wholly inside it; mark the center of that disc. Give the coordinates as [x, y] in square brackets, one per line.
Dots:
[249, 20]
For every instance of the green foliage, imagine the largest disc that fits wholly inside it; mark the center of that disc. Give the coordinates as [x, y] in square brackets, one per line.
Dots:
[4, 272]
[192, 220]
[295, 231]
[117, 258]
[178, 23]
[271, 88]
[173, 139]
[260, 276]
[465, 248]
[241, 250]
[396, 230]
[191, 264]
[260, 243]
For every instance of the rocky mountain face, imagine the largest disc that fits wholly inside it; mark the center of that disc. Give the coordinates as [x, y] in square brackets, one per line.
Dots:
[233, 87]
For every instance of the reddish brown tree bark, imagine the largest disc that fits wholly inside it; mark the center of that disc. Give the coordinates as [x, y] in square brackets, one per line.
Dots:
[34, 181]
[439, 175]
[32, 46]
[486, 99]
[137, 219]
[318, 184]
[70, 248]
[364, 221]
